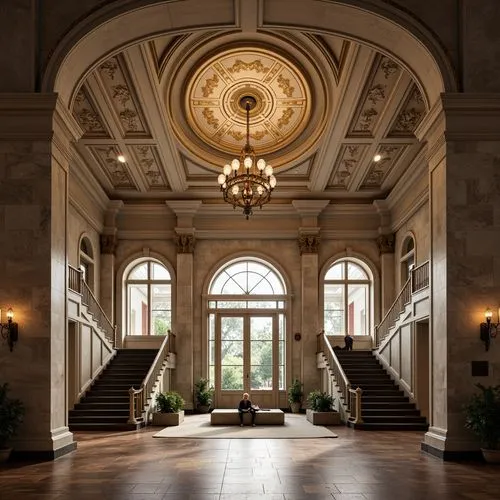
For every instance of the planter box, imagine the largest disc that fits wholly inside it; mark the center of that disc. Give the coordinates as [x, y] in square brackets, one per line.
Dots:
[168, 419]
[323, 417]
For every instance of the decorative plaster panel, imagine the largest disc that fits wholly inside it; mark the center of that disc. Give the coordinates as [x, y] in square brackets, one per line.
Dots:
[385, 74]
[348, 162]
[279, 87]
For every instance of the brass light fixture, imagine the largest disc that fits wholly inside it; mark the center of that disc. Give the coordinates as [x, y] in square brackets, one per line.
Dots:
[9, 330]
[488, 330]
[253, 186]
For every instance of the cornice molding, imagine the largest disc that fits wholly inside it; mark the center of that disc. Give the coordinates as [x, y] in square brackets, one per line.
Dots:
[418, 202]
[87, 181]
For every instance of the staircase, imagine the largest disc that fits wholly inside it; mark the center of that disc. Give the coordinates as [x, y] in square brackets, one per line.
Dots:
[105, 406]
[384, 405]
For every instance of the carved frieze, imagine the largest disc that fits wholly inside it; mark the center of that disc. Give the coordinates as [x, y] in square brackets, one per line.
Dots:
[115, 80]
[184, 243]
[116, 171]
[348, 162]
[148, 161]
[383, 78]
[410, 115]
[309, 243]
[109, 243]
[87, 115]
[378, 171]
[385, 243]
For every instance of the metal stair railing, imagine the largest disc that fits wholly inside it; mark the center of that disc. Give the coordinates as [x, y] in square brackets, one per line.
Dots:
[139, 397]
[351, 397]
[77, 284]
[418, 280]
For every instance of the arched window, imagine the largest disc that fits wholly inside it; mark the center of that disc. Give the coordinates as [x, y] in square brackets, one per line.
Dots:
[246, 331]
[407, 259]
[347, 292]
[86, 262]
[148, 288]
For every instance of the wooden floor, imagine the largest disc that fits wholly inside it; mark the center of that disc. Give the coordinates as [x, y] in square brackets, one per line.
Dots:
[357, 465]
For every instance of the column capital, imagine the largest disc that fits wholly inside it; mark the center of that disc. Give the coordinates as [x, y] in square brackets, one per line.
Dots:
[309, 242]
[385, 243]
[184, 242]
[109, 242]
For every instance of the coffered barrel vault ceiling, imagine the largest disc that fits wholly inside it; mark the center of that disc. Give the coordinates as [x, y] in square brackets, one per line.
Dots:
[325, 108]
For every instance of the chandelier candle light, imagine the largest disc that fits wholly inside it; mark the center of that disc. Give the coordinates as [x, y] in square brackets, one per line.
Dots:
[253, 186]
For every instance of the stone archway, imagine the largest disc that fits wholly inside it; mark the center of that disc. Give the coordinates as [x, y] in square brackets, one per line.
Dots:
[110, 29]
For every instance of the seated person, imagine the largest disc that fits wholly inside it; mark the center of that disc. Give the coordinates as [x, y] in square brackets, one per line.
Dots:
[348, 342]
[246, 406]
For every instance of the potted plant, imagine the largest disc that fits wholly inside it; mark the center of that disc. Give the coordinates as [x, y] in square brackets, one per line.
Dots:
[482, 416]
[295, 395]
[168, 409]
[11, 416]
[321, 411]
[204, 395]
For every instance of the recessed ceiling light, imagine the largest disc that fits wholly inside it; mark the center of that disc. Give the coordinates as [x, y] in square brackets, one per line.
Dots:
[377, 157]
[121, 158]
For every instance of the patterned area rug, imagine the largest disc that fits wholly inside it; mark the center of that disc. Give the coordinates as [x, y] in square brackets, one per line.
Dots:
[198, 426]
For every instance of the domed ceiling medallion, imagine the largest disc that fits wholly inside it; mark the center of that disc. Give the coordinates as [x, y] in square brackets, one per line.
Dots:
[280, 90]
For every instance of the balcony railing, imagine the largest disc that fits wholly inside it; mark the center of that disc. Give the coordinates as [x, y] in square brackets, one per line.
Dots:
[418, 280]
[77, 284]
[139, 397]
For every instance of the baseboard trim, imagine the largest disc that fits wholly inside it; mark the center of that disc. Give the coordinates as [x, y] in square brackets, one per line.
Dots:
[42, 455]
[452, 456]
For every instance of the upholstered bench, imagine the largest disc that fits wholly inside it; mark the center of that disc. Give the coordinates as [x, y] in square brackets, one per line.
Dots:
[225, 416]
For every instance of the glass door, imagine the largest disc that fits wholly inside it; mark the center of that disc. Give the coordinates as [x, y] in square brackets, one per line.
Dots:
[247, 349]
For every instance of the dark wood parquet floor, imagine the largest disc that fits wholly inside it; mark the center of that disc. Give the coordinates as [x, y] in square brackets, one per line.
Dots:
[359, 465]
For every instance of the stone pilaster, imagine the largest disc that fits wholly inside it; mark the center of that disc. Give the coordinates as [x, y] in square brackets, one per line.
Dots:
[109, 243]
[35, 152]
[463, 137]
[385, 244]
[187, 351]
[304, 350]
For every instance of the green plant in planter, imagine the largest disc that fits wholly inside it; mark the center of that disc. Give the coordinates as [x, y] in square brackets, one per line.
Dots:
[295, 395]
[320, 401]
[482, 415]
[203, 393]
[169, 402]
[11, 415]
[295, 392]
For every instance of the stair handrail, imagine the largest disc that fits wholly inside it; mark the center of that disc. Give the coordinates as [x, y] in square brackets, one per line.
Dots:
[418, 280]
[138, 397]
[80, 286]
[341, 379]
[390, 318]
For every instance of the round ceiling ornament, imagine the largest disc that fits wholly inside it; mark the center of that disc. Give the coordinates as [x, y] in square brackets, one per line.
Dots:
[279, 88]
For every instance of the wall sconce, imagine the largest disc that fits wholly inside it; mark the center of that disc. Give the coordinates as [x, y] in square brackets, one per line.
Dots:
[9, 330]
[489, 330]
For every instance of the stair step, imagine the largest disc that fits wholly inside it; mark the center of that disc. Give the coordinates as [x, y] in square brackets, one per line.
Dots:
[102, 405]
[389, 427]
[99, 399]
[367, 405]
[383, 419]
[92, 412]
[116, 427]
[105, 406]
[390, 412]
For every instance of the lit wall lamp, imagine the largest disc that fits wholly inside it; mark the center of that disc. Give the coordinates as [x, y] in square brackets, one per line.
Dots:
[9, 330]
[489, 330]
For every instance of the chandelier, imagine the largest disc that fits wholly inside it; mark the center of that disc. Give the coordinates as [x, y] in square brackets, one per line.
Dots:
[252, 186]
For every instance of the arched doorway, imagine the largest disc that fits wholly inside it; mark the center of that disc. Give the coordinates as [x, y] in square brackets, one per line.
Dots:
[247, 333]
